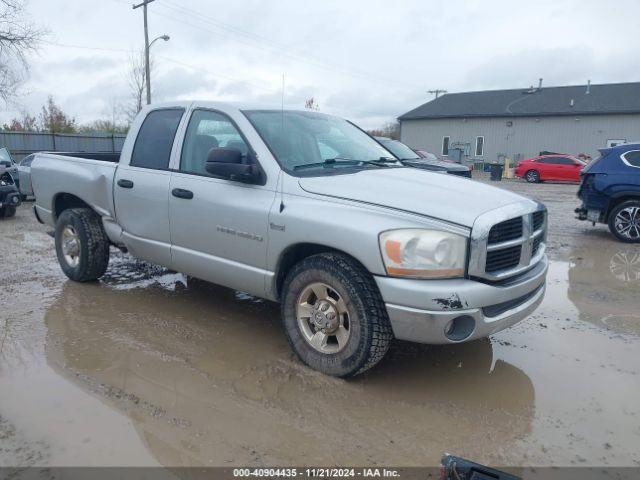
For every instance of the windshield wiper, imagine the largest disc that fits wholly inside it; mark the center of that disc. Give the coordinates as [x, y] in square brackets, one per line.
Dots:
[329, 162]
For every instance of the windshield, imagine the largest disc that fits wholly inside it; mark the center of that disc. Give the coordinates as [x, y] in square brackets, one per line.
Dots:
[5, 156]
[399, 149]
[304, 138]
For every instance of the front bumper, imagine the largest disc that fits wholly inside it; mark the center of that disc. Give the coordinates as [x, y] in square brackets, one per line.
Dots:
[422, 310]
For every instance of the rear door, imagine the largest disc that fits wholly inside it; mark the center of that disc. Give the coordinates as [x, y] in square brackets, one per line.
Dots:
[569, 169]
[141, 190]
[219, 227]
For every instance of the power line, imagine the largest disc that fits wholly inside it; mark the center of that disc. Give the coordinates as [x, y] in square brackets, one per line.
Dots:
[262, 43]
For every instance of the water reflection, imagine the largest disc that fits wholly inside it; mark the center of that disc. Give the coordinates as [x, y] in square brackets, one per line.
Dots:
[207, 378]
[604, 285]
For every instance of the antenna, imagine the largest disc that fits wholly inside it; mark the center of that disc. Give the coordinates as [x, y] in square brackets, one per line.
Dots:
[282, 107]
[436, 92]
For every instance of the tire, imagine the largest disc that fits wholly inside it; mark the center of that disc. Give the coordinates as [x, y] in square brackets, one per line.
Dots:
[361, 313]
[87, 258]
[624, 221]
[7, 212]
[532, 176]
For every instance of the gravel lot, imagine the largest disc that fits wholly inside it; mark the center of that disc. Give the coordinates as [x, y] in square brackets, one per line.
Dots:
[148, 367]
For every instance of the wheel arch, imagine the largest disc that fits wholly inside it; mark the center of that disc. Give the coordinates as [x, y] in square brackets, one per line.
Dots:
[63, 201]
[620, 197]
[296, 253]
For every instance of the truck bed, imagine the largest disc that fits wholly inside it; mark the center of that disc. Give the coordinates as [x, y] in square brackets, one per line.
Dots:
[90, 179]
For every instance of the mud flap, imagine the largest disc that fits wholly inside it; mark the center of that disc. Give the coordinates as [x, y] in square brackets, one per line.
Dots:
[456, 468]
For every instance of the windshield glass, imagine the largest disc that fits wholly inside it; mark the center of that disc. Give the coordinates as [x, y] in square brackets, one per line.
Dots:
[399, 149]
[304, 138]
[5, 156]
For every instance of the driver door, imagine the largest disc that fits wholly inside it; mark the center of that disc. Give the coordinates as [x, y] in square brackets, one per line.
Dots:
[219, 227]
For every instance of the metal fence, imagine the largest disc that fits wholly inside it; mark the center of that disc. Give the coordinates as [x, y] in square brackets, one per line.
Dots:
[21, 144]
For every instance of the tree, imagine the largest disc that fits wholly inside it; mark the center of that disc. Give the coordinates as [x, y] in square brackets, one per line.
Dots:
[389, 130]
[26, 123]
[137, 79]
[54, 120]
[311, 104]
[18, 37]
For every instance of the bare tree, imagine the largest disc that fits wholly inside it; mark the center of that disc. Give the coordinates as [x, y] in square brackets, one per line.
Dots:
[137, 78]
[18, 37]
[390, 130]
[311, 104]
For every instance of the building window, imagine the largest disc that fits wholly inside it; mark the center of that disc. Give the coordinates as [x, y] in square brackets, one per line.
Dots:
[445, 146]
[479, 146]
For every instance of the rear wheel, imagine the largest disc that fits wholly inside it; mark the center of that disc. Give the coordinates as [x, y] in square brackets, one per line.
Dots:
[81, 244]
[624, 221]
[333, 315]
[532, 176]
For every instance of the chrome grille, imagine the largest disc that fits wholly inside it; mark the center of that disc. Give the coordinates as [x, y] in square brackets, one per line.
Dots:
[507, 241]
[504, 231]
[504, 258]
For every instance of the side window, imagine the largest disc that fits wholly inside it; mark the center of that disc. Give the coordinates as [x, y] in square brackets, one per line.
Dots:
[445, 146]
[155, 139]
[27, 161]
[632, 158]
[565, 161]
[208, 130]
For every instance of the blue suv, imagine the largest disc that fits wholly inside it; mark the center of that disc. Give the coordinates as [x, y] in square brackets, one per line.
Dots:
[610, 191]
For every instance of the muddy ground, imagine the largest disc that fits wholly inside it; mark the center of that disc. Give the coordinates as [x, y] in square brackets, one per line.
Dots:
[148, 367]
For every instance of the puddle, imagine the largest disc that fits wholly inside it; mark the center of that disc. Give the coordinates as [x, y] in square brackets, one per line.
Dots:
[149, 366]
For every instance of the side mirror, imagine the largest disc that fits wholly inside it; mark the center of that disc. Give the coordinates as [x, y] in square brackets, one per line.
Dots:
[5, 163]
[227, 163]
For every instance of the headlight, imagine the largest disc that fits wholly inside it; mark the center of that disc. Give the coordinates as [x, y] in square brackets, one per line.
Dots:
[422, 253]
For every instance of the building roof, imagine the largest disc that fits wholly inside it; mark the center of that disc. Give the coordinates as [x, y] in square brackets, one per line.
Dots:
[546, 101]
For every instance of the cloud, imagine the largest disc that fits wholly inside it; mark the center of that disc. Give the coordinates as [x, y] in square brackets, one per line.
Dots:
[368, 60]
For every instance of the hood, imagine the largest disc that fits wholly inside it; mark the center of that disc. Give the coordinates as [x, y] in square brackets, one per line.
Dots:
[436, 164]
[444, 197]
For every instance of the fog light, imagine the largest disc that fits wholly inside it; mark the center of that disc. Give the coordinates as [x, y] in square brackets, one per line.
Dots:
[460, 328]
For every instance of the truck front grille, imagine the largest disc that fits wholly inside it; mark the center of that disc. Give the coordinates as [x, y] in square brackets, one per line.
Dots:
[504, 231]
[502, 259]
[509, 246]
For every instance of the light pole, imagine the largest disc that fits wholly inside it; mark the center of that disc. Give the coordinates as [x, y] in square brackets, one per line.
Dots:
[147, 46]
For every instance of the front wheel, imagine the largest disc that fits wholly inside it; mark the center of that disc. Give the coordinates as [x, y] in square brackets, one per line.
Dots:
[532, 176]
[82, 245]
[334, 316]
[624, 221]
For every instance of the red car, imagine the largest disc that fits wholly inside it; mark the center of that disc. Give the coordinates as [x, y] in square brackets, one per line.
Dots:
[550, 167]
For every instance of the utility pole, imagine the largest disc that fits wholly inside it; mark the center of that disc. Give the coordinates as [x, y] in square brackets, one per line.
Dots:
[147, 68]
[437, 92]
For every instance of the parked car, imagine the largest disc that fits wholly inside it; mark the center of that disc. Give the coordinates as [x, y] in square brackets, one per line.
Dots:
[8, 165]
[9, 194]
[610, 191]
[427, 155]
[413, 159]
[24, 176]
[550, 167]
[358, 248]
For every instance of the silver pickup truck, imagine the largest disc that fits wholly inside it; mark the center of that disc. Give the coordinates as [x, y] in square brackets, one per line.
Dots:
[308, 210]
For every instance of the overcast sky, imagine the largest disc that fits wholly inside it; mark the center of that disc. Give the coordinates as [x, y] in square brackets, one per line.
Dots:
[367, 60]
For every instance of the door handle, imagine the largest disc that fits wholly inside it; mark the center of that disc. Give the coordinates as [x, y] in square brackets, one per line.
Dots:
[125, 183]
[182, 193]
